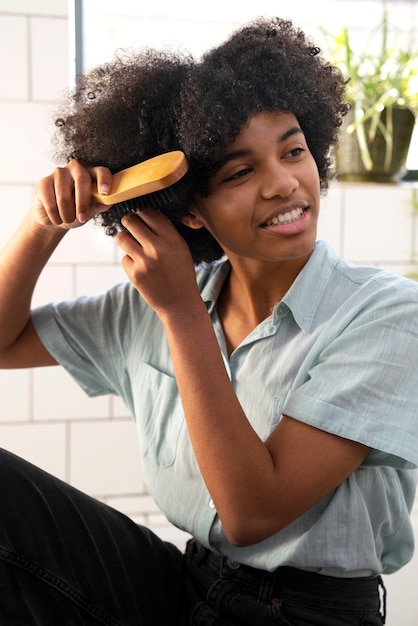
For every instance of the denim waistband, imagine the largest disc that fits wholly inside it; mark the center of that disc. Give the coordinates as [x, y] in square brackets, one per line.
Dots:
[367, 594]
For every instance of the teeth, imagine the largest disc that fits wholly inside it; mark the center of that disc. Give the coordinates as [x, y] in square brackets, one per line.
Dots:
[285, 218]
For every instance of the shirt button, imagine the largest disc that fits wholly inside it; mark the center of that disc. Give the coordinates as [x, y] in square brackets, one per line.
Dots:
[279, 310]
[212, 504]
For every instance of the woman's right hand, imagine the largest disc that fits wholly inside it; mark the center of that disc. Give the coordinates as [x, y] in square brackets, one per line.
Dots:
[63, 199]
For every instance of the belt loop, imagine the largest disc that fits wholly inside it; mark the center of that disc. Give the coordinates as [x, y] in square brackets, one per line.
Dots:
[383, 599]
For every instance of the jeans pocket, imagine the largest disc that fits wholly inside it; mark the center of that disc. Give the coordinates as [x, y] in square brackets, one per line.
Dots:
[234, 604]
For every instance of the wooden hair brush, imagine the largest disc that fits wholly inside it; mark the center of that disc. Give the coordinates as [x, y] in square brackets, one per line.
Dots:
[147, 184]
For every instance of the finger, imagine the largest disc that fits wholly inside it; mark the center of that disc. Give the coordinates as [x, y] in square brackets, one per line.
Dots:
[85, 206]
[133, 261]
[82, 182]
[47, 191]
[128, 243]
[64, 210]
[128, 265]
[137, 230]
[147, 223]
[103, 178]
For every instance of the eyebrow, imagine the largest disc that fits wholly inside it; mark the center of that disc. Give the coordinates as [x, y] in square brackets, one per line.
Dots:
[236, 154]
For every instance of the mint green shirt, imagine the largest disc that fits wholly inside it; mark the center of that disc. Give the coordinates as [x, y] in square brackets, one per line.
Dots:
[339, 352]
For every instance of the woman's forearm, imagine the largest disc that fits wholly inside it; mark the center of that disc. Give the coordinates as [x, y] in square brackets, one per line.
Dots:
[234, 462]
[21, 263]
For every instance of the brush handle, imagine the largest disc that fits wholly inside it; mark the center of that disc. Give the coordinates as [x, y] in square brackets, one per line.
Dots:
[147, 177]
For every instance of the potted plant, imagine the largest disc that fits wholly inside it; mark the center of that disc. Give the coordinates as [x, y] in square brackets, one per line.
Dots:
[383, 94]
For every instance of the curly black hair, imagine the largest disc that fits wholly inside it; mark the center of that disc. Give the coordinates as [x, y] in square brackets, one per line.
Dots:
[148, 102]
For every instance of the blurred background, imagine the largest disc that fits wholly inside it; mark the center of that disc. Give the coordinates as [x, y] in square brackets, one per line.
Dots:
[44, 416]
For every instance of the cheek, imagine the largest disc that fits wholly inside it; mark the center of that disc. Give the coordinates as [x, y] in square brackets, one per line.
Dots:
[314, 174]
[312, 181]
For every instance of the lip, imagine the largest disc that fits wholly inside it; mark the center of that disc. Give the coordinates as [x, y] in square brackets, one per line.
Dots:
[285, 208]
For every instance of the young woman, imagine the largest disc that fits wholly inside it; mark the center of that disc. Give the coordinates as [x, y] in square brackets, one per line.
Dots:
[274, 385]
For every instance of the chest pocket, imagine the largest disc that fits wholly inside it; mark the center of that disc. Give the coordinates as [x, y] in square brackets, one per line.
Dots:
[159, 415]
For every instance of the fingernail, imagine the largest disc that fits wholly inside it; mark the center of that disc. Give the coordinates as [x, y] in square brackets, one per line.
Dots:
[104, 189]
[82, 218]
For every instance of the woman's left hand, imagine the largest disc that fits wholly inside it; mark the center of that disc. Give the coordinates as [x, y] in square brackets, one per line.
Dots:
[157, 261]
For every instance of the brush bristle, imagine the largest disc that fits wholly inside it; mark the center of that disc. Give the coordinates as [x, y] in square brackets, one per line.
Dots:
[156, 200]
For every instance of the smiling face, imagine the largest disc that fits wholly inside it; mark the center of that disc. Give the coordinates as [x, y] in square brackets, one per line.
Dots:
[263, 202]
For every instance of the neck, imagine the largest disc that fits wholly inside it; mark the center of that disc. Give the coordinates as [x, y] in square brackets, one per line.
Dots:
[253, 291]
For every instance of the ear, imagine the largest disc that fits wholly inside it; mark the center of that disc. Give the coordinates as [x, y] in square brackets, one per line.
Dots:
[192, 218]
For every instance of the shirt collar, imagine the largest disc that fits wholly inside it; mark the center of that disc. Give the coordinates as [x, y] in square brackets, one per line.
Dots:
[306, 292]
[303, 297]
[213, 281]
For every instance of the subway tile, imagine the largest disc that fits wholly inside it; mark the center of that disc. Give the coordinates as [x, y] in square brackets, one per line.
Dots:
[55, 284]
[26, 129]
[157, 519]
[126, 505]
[15, 203]
[14, 71]
[377, 223]
[42, 444]
[87, 244]
[105, 458]
[141, 520]
[49, 49]
[167, 531]
[172, 534]
[118, 409]
[56, 396]
[39, 7]
[92, 280]
[15, 388]
[134, 505]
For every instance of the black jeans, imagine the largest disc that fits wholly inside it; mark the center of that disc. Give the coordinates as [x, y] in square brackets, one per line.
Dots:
[67, 559]
[286, 597]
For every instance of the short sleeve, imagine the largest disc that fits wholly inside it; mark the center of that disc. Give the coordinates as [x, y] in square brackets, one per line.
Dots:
[90, 337]
[360, 379]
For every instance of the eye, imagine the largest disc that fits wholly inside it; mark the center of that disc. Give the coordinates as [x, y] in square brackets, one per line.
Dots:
[238, 174]
[295, 152]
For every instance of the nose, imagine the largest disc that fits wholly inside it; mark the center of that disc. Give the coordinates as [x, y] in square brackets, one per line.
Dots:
[277, 179]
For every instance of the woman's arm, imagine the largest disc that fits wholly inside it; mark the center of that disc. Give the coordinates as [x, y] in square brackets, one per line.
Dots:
[258, 487]
[62, 202]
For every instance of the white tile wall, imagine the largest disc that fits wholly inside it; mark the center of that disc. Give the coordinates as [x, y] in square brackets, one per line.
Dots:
[23, 126]
[16, 397]
[14, 83]
[44, 416]
[113, 454]
[41, 444]
[372, 224]
[53, 8]
[48, 57]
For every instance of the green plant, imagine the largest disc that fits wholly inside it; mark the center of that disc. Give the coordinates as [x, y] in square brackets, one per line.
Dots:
[382, 76]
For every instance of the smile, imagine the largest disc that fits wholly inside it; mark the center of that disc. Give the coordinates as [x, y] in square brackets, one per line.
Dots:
[285, 218]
